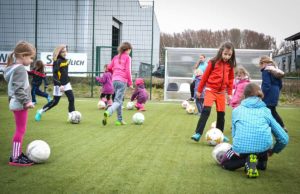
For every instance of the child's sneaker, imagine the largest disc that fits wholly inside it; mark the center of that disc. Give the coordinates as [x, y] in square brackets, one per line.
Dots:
[250, 166]
[119, 123]
[106, 115]
[22, 160]
[38, 115]
[196, 137]
[142, 109]
[225, 139]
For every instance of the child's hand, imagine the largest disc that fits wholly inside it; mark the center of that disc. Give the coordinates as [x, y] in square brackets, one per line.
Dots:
[62, 88]
[29, 105]
[198, 94]
[229, 97]
[131, 87]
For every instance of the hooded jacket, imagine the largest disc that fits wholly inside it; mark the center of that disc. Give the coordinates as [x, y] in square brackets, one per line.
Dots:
[140, 94]
[253, 126]
[271, 87]
[106, 81]
[238, 92]
[18, 86]
[218, 78]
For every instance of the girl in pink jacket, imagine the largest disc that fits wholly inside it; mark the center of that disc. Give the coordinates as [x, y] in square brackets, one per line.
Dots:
[120, 66]
[241, 81]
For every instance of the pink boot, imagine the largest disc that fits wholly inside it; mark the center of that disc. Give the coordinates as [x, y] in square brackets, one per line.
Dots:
[142, 108]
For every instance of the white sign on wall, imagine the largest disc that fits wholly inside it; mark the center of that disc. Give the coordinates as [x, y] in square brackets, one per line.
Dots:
[77, 63]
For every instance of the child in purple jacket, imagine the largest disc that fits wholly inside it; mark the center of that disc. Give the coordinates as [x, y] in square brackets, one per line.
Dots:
[107, 86]
[140, 94]
[241, 81]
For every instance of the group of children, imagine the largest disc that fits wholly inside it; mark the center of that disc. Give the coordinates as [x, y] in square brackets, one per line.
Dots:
[22, 97]
[254, 118]
[107, 92]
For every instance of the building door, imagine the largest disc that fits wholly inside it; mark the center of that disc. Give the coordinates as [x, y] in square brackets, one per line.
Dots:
[115, 39]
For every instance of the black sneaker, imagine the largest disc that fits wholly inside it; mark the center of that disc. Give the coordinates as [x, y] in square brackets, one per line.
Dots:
[191, 99]
[250, 166]
[24, 157]
[22, 160]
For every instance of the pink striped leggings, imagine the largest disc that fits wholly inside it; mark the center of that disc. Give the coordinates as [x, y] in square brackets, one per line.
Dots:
[21, 124]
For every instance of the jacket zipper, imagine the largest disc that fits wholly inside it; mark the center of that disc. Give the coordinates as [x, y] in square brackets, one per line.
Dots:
[222, 79]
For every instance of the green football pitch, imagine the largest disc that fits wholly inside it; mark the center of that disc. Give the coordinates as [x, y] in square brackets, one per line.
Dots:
[156, 157]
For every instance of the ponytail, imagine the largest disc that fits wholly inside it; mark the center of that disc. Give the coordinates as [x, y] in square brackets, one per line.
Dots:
[10, 59]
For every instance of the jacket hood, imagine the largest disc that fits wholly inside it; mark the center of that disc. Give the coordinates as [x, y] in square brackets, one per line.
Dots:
[253, 102]
[9, 70]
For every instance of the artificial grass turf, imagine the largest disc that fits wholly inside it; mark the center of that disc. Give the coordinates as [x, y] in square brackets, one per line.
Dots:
[156, 157]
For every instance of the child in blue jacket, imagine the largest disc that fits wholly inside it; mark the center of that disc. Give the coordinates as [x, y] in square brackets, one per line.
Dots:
[253, 128]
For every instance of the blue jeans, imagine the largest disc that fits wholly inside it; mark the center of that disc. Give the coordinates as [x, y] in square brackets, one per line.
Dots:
[119, 88]
[36, 91]
[199, 104]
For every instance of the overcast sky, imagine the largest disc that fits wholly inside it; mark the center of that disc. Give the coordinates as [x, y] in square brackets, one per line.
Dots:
[277, 18]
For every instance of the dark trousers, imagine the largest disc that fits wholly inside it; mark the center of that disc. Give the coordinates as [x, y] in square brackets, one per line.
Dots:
[232, 161]
[107, 96]
[192, 88]
[56, 99]
[276, 115]
[204, 117]
[36, 91]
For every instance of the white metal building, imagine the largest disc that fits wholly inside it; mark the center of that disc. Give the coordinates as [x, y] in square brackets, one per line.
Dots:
[82, 25]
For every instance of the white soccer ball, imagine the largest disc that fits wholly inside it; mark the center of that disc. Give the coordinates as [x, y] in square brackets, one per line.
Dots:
[184, 104]
[130, 105]
[138, 118]
[214, 136]
[101, 104]
[38, 151]
[75, 117]
[219, 151]
[190, 109]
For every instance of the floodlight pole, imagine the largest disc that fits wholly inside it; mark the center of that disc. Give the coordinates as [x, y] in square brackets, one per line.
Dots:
[36, 29]
[152, 37]
[93, 50]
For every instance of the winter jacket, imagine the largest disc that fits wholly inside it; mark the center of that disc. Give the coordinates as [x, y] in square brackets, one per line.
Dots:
[238, 92]
[121, 68]
[271, 87]
[60, 71]
[37, 78]
[253, 126]
[217, 78]
[106, 81]
[18, 86]
[140, 94]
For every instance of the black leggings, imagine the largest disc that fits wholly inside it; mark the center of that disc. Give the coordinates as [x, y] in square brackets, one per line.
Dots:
[107, 96]
[192, 88]
[204, 117]
[234, 161]
[56, 99]
[276, 115]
